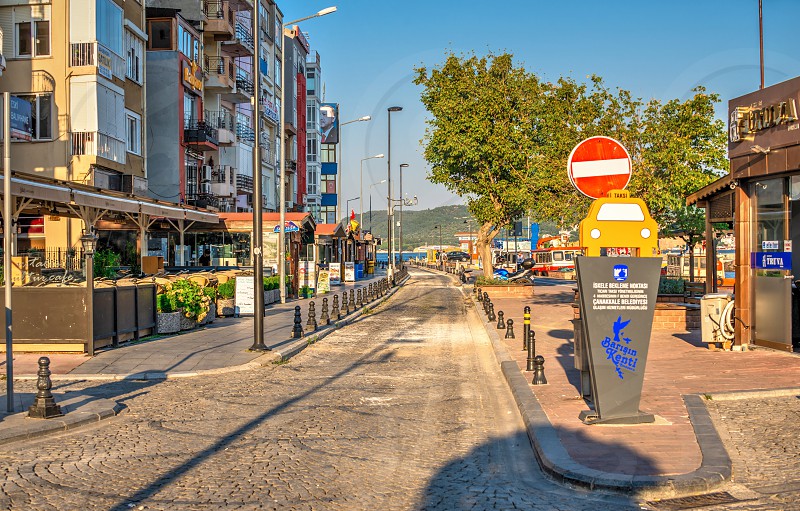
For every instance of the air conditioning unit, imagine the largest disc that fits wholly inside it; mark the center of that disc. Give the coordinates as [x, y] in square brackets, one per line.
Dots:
[134, 184]
[205, 173]
[205, 187]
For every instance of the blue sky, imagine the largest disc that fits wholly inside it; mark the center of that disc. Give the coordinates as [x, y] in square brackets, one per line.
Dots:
[662, 50]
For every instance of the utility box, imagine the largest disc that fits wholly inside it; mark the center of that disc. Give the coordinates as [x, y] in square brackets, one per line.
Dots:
[711, 307]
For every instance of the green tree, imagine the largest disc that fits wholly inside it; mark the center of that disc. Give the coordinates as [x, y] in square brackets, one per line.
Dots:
[479, 137]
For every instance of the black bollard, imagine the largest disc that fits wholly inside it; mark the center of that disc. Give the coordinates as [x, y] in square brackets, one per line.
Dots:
[538, 371]
[369, 292]
[361, 297]
[311, 324]
[351, 304]
[510, 329]
[324, 318]
[335, 313]
[44, 404]
[480, 295]
[345, 305]
[526, 326]
[531, 349]
[297, 331]
[501, 324]
[491, 315]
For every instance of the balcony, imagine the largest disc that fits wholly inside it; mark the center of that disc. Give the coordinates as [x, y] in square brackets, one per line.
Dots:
[221, 20]
[108, 63]
[220, 75]
[200, 135]
[243, 90]
[93, 143]
[222, 174]
[242, 43]
[203, 200]
[244, 183]
[224, 123]
[245, 133]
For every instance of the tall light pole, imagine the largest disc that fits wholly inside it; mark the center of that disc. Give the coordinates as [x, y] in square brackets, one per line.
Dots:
[402, 166]
[339, 162]
[441, 251]
[469, 242]
[282, 163]
[7, 198]
[370, 201]
[389, 186]
[361, 188]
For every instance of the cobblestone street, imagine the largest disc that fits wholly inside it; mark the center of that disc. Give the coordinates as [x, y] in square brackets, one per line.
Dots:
[405, 409]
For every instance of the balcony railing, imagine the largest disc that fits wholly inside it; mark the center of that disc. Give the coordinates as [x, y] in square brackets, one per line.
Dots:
[244, 82]
[243, 34]
[220, 174]
[244, 183]
[93, 143]
[220, 10]
[220, 119]
[196, 131]
[246, 133]
[202, 200]
[220, 66]
[95, 54]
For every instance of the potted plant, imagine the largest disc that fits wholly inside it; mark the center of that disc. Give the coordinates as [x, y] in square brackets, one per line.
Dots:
[192, 301]
[226, 305]
[306, 292]
[168, 317]
[211, 293]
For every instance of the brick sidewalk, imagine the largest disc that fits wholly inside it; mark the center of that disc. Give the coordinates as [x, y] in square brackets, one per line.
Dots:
[678, 364]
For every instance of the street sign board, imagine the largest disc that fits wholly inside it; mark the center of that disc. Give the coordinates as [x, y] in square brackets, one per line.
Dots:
[598, 165]
[289, 227]
[617, 300]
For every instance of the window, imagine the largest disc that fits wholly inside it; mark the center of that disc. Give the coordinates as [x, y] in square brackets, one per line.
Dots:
[189, 108]
[41, 106]
[159, 35]
[278, 71]
[33, 38]
[278, 33]
[135, 54]
[311, 149]
[133, 132]
[328, 153]
[109, 25]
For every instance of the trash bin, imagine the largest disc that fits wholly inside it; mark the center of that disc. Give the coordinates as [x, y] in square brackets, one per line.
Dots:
[711, 307]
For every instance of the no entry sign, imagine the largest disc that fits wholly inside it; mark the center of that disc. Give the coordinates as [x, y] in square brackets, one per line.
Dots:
[598, 165]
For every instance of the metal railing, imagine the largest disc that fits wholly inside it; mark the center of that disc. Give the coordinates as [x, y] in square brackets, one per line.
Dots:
[199, 131]
[244, 82]
[95, 54]
[220, 66]
[215, 9]
[93, 143]
[244, 35]
[220, 119]
[202, 200]
[245, 133]
[244, 183]
[219, 174]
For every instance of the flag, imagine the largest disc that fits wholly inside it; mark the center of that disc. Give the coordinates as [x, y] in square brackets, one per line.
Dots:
[353, 222]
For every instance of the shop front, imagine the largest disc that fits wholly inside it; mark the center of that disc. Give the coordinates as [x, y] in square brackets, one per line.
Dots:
[760, 199]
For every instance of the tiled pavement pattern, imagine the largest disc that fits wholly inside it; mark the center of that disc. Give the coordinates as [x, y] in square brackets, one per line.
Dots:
[404, 409]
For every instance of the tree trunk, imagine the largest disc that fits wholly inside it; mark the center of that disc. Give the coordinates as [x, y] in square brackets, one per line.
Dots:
[485, 237]
[691, 262]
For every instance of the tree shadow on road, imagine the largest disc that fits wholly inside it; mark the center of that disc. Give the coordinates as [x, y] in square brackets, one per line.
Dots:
[503, 474]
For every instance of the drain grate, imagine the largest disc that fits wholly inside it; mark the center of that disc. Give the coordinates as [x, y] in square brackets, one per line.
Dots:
[709, 499]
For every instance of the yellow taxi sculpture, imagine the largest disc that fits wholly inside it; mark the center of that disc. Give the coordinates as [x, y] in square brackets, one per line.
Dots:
[617, 220]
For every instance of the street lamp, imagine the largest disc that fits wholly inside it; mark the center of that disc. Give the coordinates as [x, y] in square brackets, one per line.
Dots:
[361, 188]
[349, 201]
[441, 251]
[370, 201]
[89, 241]
[402, 166]
[389, 187]
[469, 241]
[341, 163]
[282, 164]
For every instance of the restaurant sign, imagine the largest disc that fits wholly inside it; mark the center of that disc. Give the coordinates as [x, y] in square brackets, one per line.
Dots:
[771, 260]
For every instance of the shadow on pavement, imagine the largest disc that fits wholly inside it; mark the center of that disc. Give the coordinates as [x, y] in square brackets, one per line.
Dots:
[566, 358]
[494, 475]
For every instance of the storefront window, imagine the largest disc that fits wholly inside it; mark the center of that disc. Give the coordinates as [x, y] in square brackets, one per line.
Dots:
[770, 218]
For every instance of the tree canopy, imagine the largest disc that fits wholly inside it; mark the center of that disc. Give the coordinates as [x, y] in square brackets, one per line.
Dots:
[500, 137]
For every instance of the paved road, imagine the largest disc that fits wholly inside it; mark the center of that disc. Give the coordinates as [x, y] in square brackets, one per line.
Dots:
[403, 410]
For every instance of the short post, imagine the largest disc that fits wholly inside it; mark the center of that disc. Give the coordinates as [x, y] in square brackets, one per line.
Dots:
[526, 326]
[335, 311]
[324, 318]
[360, 298]
[538, 371]
[345, 305]
[501, 324]
[480, 295]
[510, 329]
[531, 349]
[297, 331]
[491, 315]
[44, 405]
[311, 324]
[351, 304]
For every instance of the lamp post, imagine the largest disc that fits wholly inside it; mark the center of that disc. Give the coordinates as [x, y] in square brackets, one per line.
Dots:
[89, 241]
[395, 204]
[389, 186]
[370, 201]
[282, 164]
[340, 163]
[361, 188]
[469, 241]
[349, 201]
[7, 249]
[258, 203]
[441, 252]
[402, 166]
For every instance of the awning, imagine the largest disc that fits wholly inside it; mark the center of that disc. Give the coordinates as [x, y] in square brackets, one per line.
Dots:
[711, 189]
[106, 202]
[201, 216]
[40, 191]
[162, 211]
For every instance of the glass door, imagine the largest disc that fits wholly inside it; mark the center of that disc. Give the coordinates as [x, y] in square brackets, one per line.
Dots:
[772, 264]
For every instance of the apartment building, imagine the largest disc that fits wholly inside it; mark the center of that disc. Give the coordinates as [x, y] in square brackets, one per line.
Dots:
[296, 50]
[80, 65]
[313, 136]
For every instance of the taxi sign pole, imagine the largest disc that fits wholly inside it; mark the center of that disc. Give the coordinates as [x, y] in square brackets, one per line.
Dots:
[617, 295]
[7, 249]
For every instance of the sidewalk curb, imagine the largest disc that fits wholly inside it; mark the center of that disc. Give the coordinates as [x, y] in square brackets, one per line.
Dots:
[714, 470]
[275, 356]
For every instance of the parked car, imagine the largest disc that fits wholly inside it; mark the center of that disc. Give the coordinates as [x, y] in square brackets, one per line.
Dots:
[457, 256]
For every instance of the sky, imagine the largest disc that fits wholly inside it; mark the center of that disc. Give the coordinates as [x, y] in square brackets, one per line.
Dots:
[369, 49]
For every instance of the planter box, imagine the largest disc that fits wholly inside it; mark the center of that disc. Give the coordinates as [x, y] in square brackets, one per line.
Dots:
[225, 307]
[168, 322]
[210, 317]
[508, 291]
[187, 323]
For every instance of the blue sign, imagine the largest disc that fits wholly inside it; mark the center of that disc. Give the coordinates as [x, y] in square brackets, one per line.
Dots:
[620, 273]
[21, 125]
[534, 234]
[621, 355]
[771, 260]
[290, 227]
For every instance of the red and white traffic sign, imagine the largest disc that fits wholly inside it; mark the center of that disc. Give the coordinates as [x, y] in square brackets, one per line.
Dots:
[598, 165]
